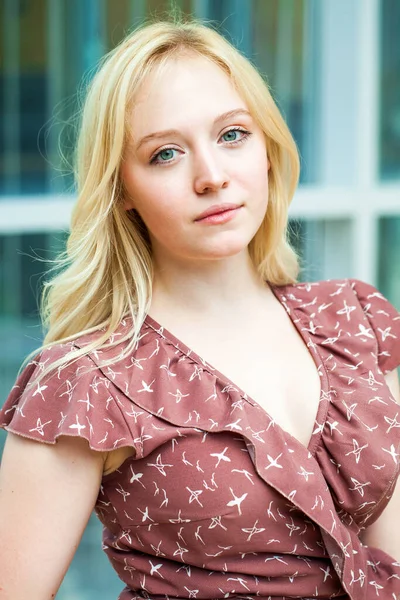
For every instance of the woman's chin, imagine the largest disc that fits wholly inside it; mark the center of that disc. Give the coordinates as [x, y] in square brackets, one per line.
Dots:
[221, 251]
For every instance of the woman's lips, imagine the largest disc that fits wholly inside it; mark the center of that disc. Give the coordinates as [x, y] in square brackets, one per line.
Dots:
[219, 214]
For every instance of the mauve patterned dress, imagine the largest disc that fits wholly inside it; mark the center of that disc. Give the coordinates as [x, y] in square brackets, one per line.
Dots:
[218, 500]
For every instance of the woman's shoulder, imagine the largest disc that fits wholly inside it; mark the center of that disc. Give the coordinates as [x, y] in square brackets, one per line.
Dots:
[111, 396]
[61, 393]
[351, 308]
[338, 292]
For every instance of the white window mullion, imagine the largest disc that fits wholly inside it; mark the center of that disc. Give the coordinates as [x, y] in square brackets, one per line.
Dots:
[365, 239]
[23, 214]
[339, 102]
[368, 93]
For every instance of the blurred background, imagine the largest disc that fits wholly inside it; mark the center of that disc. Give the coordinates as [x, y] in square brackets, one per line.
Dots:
[333, 67]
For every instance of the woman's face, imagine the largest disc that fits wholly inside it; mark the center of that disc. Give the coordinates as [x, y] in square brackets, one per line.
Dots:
[195, 148]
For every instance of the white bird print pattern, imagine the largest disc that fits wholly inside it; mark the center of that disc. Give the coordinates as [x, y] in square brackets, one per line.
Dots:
[216, 493]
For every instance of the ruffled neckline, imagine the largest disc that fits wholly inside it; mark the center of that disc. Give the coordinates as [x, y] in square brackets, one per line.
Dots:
[311, 347]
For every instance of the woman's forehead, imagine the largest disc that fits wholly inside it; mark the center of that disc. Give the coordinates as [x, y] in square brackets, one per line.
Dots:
[182, 88]
[183, 71]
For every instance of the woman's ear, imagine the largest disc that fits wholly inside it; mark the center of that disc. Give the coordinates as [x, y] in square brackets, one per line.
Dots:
[128, 203]
[126, 198]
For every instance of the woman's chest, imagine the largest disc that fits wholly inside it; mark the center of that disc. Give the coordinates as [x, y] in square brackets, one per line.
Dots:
[288, 393]
[193, 443]
[275, 369]
[277, 372]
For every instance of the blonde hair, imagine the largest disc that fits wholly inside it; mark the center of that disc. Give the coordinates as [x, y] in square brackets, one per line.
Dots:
[107, 267]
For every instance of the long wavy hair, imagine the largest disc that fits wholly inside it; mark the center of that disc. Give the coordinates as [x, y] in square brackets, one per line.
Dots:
[106, 270]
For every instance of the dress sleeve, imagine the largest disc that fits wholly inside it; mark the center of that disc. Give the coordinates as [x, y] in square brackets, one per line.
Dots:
[384, 320]
[76, 400]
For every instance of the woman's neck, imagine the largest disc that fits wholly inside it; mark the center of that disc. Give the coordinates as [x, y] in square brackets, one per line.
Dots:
[211, 288]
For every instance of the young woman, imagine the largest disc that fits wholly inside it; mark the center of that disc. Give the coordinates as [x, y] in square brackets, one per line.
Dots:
[236, 432]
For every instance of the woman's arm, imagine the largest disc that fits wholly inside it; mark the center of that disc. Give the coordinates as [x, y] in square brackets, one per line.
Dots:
[385, 532]
[47, 493]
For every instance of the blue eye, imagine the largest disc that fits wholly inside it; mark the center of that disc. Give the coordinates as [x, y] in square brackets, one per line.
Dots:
[165, 156]
[235, 131]
[231, 132]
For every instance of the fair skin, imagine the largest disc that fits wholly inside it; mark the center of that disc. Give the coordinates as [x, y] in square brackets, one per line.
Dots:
[47, 492]
[207, 163]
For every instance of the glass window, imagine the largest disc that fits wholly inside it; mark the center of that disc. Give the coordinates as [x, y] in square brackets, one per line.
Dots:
[23, 100]
[390, 90]
[324, 247]
[23, 266]
[388, 258]
[278, 50]
[48, 46]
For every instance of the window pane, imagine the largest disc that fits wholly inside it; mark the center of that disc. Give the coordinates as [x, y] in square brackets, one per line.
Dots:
[21, 278]
[390, 90]
[324, 247]
[389, 264]
[23, 101]
[278, 49]
[117, 21]
[48, 46]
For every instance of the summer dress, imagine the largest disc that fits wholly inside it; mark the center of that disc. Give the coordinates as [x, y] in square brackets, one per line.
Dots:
[218, 500]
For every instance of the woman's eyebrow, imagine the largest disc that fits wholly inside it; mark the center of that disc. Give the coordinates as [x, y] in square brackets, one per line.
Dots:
[160, 134]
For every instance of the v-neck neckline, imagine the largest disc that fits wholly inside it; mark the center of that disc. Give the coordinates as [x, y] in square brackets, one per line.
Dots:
[323, 403]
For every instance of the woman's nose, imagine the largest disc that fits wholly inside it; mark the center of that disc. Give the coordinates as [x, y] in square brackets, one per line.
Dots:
[209, 174]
